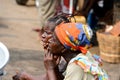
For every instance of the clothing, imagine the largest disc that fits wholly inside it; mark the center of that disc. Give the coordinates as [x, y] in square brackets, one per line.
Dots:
[70, 6]
[86, 70]
[75, 72]
[74, 36]
[47, 9]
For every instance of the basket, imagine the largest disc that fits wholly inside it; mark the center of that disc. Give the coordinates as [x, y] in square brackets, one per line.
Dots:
[109, 46]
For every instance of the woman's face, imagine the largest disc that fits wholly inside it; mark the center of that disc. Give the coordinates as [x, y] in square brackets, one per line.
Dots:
[50, 42]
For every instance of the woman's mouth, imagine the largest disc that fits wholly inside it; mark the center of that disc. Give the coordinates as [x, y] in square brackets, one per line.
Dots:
[45, 45]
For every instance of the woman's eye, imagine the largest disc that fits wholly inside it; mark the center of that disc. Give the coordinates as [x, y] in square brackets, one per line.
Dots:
[49, 32]
[49, 36]
[50, 40]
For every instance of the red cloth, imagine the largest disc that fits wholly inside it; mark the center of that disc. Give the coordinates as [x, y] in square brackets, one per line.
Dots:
[66, 3]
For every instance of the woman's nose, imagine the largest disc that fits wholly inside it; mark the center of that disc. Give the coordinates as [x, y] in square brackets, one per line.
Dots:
[48, 38]
[43, 35]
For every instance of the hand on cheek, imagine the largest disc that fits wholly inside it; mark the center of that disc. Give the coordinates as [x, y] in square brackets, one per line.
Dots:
[50, 61]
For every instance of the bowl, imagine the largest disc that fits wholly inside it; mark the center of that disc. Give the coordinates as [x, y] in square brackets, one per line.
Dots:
[4, 57]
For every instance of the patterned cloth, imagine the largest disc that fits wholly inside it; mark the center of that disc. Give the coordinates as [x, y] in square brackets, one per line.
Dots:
[74, 36]
[91, 65]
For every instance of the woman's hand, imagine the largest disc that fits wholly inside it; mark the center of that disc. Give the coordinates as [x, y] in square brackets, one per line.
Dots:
[21, 76]
[51, 64]
[51, 61]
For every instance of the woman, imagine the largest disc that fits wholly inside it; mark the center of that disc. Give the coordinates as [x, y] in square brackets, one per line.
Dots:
[70, 41]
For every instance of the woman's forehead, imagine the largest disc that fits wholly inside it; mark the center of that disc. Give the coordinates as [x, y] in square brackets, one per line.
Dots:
[47, 29]
[49, 26]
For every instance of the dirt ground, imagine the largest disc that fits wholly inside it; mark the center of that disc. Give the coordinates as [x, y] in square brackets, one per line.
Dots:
[16, 24]
[26, 52]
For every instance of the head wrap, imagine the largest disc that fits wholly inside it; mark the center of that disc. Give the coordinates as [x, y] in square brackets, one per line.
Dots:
[74, 36]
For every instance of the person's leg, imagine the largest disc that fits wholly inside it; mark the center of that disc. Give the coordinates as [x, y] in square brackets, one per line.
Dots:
[46, 9]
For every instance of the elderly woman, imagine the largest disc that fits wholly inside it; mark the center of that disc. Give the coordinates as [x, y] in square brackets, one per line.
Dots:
[70, 41]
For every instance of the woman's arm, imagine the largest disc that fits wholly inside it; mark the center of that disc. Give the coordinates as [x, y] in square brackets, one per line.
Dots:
[26, 76]
[51, 64]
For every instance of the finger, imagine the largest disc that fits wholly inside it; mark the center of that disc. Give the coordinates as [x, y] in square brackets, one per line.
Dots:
[17, 71]
[47, 56]
[45, 52]
[58, 60]
[51, 55]
[55, 57]
[15, 77]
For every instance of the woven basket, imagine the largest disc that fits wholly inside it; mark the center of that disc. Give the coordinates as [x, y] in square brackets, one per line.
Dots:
[109, 46]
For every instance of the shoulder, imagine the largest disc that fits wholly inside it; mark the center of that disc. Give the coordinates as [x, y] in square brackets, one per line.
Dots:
[73, 67]
[74, 72]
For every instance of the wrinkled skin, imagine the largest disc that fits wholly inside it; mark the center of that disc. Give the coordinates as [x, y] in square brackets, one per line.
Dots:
[51, 43]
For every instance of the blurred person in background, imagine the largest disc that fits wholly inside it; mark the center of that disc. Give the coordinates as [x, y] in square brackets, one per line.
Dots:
[47, 9]
[50, 8]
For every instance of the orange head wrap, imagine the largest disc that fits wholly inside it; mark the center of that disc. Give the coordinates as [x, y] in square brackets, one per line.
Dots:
[74, 36]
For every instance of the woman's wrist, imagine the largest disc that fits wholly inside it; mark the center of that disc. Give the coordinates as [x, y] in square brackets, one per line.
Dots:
[51, 74]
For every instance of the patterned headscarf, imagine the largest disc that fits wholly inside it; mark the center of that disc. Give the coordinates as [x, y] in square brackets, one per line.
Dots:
[74, 36]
